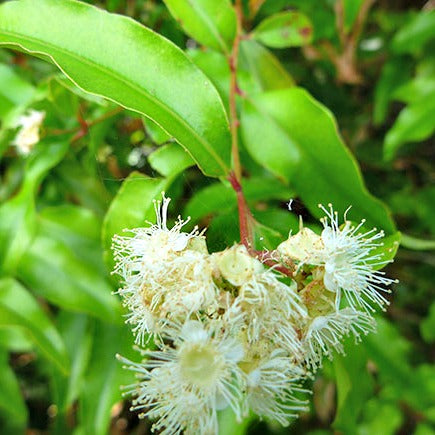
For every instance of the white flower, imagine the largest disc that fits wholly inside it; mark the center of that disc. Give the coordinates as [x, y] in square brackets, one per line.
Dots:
[270, 308]
[349, 262]
[28, 135]
[325, 334]
[271, 386]
[184, 386]
[167, 274]
[268, 305]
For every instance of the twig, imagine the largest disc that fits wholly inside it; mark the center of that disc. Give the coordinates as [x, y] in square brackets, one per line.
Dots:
[234, 90]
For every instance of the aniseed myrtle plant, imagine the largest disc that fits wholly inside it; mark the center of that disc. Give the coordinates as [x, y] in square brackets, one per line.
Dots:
[207, 324]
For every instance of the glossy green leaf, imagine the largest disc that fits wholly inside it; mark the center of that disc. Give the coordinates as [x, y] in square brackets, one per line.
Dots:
[12, 404]
[54, 271]
[18, 307]
[211, 22]
[115, 57]
[295, 137]
[131, 208]
[105, 376]
[170, 160]
[286, 29]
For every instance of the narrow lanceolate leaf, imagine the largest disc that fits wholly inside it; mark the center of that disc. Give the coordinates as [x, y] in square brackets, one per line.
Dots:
[286, 29]
[115, 57]
[211, 22]
[296, 138]
[19, 308]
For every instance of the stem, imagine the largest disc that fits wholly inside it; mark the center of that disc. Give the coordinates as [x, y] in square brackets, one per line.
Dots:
[245, 217]
[234, 90]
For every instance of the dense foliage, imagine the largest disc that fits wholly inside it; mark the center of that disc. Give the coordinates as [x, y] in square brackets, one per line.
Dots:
[329, 101]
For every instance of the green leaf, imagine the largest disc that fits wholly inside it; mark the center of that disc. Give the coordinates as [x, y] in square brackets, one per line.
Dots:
[54, 271]
[412, 37]
[76, 227]
[427, 326]
[414, 123]
[15, 94]
[77, 337]
[394, 73]
[417, 244]
[211, 22]
[17, 216]
[131, 208]
[266, 69]
[381, 417]
[18, 307]
[11, 400]
[156, 133]
[354, 387]
[170, 160]
[112, 56]
[104, 376]
[296, 138]
[286, 29]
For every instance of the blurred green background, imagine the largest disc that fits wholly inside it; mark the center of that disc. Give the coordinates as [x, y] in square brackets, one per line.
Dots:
[371, 63]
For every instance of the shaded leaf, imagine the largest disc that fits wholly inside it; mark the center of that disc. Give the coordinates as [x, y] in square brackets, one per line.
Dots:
[102, 392]
[286, 29]
[18, 307]
[11, 399]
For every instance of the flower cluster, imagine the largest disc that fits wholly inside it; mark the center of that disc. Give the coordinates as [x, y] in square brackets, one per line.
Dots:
[229, 331]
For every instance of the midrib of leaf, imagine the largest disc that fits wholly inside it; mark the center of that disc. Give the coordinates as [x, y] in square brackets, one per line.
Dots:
[116, 76]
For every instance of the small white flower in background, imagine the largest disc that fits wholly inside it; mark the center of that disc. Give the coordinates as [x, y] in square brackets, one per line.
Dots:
[324, 334]
[28, 135]
[185, 385]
